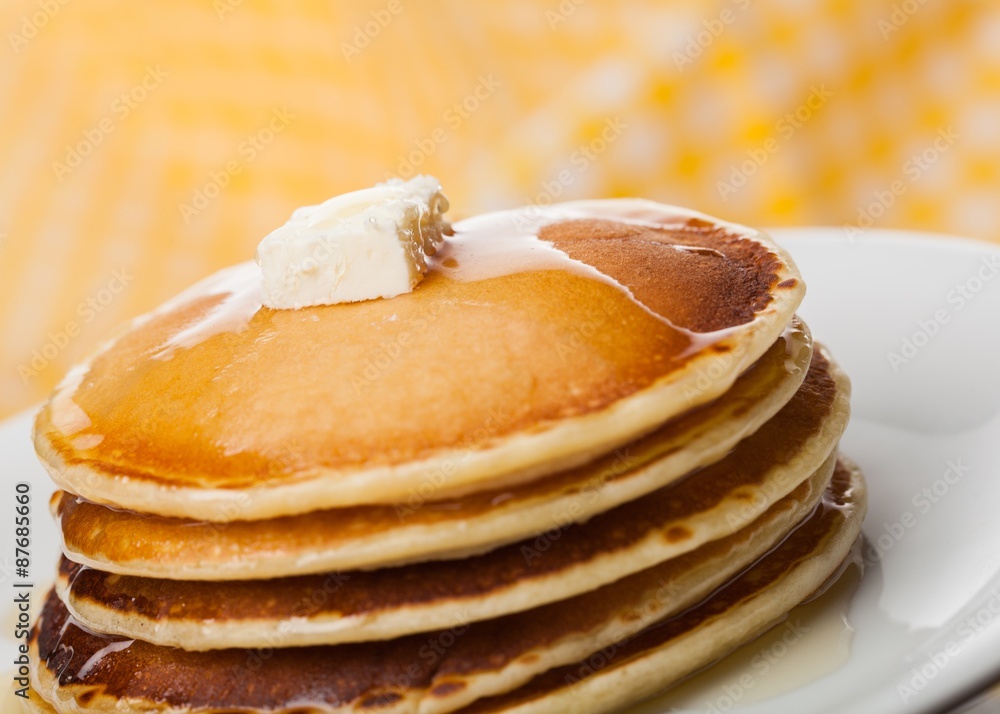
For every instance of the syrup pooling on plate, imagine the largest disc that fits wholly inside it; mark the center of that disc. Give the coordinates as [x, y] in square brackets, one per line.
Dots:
[157, 662]
[807, 557]
[810, 643]
[813, 641]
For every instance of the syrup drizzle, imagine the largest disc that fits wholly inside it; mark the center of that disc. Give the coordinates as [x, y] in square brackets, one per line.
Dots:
[243, 298]
[97, 657]
[482, 247]
[813, 640]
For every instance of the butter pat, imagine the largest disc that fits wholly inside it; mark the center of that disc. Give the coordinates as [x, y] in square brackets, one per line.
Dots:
[361, 245]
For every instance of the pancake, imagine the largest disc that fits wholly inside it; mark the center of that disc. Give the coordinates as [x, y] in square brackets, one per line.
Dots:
[131, 543]
[81, 671]
[744, 609]
[35, 704]
[368, 605]
[534, 344]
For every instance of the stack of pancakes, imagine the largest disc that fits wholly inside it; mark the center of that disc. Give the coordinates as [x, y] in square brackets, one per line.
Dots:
[592, 452]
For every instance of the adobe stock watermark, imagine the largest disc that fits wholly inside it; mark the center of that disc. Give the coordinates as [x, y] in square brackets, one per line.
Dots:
[495, 423]
[121, 109]
[225, 7]
[580, 160]
[430, 652]
[436, 648]
[368, 32]
[891, 533]
[760, 665]
[583, 332]
[777, 485]
[452, 119]
[622, 463]
[227, 513]
[900, 15]
[708, 375]
[644, 612]
[257, 657]
[711, 30]
[389, 352]
[786, 127]
[562, 12]
[7, 570]
[32, 24]
[912, 170]
[247, 150]
[87, 311]
[957, 299]
[968, 628]
[307, 606]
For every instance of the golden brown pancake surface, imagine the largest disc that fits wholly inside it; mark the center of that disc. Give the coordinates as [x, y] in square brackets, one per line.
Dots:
[97, 671]
[215, 408]
[590, 428]
[753, 597]
[132, 543]
[708, 504]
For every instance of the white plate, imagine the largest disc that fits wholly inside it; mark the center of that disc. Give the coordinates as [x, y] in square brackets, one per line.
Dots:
[936, 405]
[869, 301]
[914, 649]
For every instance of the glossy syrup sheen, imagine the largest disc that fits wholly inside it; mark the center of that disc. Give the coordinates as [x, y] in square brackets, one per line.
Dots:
[844, 501]
[813, 641]
[105, 533]
[586, 307]
[732, 490]
[374, 675]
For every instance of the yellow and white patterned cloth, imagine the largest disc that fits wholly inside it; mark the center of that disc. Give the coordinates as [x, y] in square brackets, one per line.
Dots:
[143, 145]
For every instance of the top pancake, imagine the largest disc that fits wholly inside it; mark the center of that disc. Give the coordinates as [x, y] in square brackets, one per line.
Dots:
[365, 537]
[536, 342]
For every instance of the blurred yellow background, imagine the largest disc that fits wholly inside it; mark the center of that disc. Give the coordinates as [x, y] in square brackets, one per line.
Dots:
[143, 145]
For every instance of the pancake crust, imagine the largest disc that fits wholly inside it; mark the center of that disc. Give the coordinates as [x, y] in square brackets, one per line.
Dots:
[213, 408]
[80, 671]
[667, 652]
[131, 543]
[35, 704]
[366, 605]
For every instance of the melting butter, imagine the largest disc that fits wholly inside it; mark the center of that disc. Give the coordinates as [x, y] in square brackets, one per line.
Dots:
[483, 247]
[362, 245]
